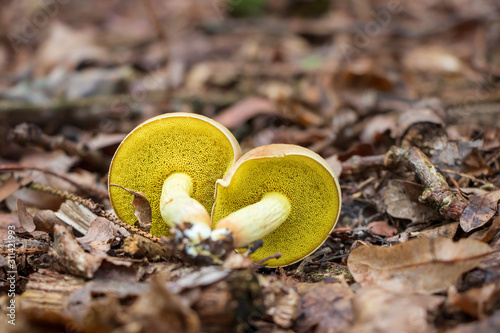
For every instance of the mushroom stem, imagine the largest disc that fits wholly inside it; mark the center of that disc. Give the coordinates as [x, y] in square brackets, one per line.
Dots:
[177, 207]
[256, 221]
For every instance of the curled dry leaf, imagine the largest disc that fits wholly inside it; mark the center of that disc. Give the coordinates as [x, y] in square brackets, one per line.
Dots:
[479, 211]
[25, 218]
[142, 208]
[8, 187]
[424, 265]
[45, 220]
[99, 236]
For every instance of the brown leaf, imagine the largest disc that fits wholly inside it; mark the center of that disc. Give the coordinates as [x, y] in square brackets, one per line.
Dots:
[447, 231]
[485, 235]
[379, 310]
[401, 200]
[239, 113]
[381, 228]
[414, 116]
[45, 220]
[160, 310]
[281, 301]
[142, 208]
[98, 237]
[325, 307]
[423, 265]
[334, 163]
[25, 218]
[8, 187]
[479, 211]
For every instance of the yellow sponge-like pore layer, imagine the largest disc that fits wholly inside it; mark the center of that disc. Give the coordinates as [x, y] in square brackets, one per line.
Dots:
[161, 147]
[311, 190]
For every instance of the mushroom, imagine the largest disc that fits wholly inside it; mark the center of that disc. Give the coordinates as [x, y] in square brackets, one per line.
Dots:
[285, 194]
[175, 160]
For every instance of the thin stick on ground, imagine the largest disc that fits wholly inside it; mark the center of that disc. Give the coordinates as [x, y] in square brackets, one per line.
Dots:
[96, 208]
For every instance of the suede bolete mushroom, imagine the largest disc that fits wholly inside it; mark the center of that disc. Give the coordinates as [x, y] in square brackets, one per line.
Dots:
[175, 160]
[285, 194]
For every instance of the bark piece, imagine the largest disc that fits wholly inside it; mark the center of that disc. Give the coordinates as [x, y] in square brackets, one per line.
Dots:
[69, 257]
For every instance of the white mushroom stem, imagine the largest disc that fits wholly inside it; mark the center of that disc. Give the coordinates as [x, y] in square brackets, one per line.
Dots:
[177, 207]
[258, 220]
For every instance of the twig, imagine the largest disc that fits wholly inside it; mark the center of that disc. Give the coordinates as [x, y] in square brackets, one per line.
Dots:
[55, 105]
[91, 191]
[94, 207]
[474, 179]
[359, 164]
[437, 194]
[25, 133]
[156, 20]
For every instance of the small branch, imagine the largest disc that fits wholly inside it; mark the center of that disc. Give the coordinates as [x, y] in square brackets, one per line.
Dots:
[94, 207]
[24, 134]
[437, 194]
[90, 191]
[359, 164]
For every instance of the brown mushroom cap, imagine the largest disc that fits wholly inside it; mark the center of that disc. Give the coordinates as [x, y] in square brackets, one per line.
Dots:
[304, 178]
[170, 143]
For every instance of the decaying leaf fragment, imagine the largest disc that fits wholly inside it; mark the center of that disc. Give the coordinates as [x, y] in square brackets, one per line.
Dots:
[424, 265]
[326, 307]
[380, 310]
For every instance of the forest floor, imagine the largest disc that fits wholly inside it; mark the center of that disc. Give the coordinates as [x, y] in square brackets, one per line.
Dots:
[402, 99]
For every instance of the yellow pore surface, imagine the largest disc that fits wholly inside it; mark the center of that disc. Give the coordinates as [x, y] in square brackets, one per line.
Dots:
[161, 147]
[311, 190]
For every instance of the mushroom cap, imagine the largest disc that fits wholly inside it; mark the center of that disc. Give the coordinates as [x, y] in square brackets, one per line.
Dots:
[173, 142]
[304, 178]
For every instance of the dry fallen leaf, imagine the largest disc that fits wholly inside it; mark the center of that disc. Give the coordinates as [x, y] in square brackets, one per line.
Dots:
[381, 228]
[447, 231]
[379, 310]
[401, 199]
[239, 113]
[325, 307]
[423, 265]
[8, 187]
[479, 211]
[25, 218]
[99, 236]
